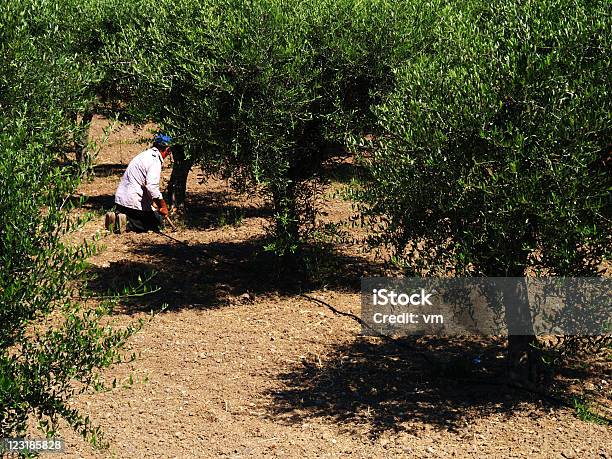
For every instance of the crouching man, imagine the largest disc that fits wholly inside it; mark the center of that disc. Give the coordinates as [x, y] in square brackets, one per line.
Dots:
[140, 206]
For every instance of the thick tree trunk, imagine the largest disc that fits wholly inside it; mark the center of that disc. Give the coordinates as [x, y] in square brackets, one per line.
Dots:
[177, 186]
[83, 156]
[523, 357]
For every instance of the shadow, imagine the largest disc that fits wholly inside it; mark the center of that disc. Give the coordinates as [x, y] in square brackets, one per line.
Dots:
[113, 110]
[211, 210]
[178, 288]
[343, 172]
[220, 273]
[100, 202]
[375, 386]
[107, 170]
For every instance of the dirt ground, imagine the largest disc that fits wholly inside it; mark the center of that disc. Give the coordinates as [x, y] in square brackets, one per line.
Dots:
[241, 364]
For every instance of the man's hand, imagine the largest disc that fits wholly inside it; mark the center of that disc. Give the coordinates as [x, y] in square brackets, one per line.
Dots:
[162, 207]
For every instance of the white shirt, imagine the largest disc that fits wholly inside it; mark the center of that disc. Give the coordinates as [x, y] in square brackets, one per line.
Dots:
[139, 185]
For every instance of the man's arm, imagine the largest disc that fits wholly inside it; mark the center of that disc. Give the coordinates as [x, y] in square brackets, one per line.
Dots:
[153, 178]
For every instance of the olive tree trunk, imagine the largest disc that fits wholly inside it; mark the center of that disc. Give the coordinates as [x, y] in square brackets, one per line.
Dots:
[523, 356]
[177, 186]
[83, 156]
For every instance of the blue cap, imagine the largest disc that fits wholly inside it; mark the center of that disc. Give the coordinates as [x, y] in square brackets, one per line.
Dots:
[162, 139]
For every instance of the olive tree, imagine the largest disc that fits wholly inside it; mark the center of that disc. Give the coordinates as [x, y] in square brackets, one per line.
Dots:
[491, 158]
[50, 344]
[262, 93]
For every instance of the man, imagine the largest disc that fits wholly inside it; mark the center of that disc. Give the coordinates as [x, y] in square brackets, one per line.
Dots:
[139, 203]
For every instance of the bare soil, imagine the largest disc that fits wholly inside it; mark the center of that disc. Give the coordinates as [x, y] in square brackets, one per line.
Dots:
[241, 364]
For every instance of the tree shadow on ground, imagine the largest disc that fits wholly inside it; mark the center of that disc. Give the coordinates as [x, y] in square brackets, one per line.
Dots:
[370, 387]
[102, 202]
[177, 288]
[213, 210]
[220, 273]
[343, 172]
[108, 170]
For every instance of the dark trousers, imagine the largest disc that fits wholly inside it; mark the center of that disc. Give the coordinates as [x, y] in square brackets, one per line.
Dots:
[141, 221]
